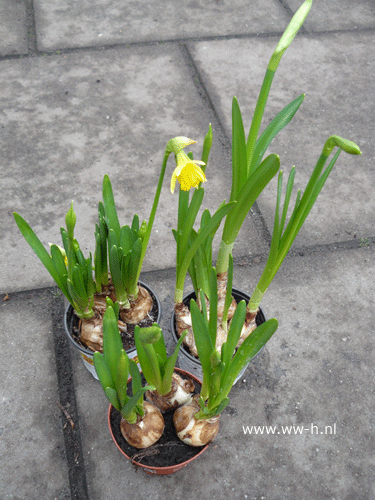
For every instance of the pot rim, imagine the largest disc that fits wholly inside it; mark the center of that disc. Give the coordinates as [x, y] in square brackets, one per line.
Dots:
[184, 351]
[169, 469]
[88, 352]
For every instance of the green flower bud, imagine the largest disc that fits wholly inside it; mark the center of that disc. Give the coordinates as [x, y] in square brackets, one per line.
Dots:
[142, 230]
[349, 147]
[151, 334]
[70, 221]
[178, 143]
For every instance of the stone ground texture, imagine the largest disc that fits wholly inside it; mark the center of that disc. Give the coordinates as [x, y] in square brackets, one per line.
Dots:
[89, 88]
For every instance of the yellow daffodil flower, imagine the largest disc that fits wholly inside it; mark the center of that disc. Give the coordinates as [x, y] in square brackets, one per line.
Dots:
[188, 173]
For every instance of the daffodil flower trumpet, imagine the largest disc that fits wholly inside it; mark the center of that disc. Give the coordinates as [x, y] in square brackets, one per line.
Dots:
[188, 173]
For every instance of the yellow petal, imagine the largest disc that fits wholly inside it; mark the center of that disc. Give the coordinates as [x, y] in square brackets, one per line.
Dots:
[191, 176]
[173, 181]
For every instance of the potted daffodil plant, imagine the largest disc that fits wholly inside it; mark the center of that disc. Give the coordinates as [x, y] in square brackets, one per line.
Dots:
[140, 415]
[166, 412]
[250, 174]
[113, 272]
[197, 422]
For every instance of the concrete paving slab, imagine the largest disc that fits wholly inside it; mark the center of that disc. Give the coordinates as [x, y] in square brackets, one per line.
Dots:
[68, 120]
[334, 71]
[338, 14]
[33, 459]
[13, 28]
[316, 374]
[66, 24]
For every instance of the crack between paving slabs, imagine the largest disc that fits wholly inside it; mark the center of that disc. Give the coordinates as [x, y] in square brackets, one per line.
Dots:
[68, 402]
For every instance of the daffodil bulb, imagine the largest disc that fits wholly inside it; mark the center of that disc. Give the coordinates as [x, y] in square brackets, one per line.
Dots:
[139, 308]
[183, 323]
[180, 394]
[147, 430]
[192, 431]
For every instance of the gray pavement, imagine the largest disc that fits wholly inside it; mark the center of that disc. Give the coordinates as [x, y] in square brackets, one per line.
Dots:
[89, 88]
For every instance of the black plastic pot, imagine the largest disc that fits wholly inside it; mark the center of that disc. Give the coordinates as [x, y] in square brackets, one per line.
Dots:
[186, 360]
[70, 321]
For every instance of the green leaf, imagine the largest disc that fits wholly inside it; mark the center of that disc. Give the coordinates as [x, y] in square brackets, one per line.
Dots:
[169, 366]
[207, 143]
[126, 239]
[215, 374]
[78, 282]
[203, 306]
[135, 223]
[136, 379]
[239, 158]
[132, 403]
[64, 238]
[113, 240]
[203, 341]
[112, 397]
[233, 334]
[135, 259]
[39, 249]
[115, 268]
[160, 348]
[228, 293]
[247, 350]
[190, 217]
[147, 359]
[247, 196]
[103, 371]
[288, 193]
[212, 323]
[59, 264]
[278, 123]
[122, 377]
[110, 207]
[202, 235]
[112, 344]
[218, 409]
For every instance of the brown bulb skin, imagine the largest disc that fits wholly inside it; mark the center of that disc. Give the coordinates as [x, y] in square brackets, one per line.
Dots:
[192, 431]
[139, 308]
[147, 430]
[179, 394]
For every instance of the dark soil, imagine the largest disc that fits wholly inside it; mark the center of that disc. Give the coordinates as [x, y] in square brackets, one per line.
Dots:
[169, 450]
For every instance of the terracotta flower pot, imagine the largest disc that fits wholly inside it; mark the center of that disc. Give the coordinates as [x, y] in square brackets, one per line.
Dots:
[71, 325]
[168, 441]
[186, 360]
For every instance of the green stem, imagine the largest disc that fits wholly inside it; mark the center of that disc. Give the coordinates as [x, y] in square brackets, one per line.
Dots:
[222, 261]
[258, 115]
[153, 212]
[255, 299]
[182, 269]
[179, 291]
